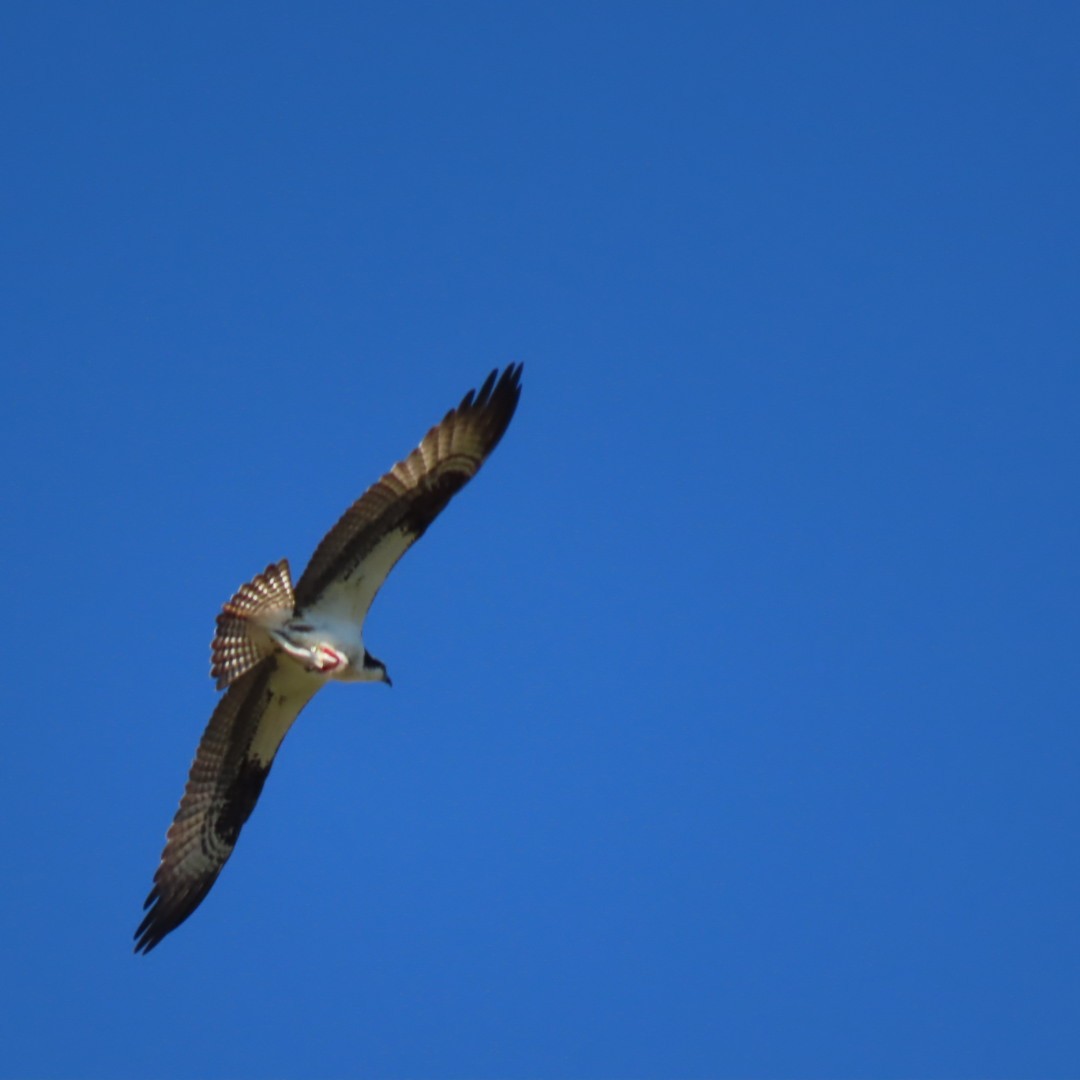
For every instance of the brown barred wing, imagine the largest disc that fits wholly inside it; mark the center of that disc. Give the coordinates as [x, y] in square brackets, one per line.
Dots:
[226, 778]
[358, 553]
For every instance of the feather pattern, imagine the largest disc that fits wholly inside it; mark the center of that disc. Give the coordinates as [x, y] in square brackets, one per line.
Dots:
[226, 777]
[359, 552]
[264, 602]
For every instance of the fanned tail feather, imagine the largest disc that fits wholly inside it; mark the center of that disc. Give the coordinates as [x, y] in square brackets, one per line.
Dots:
[241, 641]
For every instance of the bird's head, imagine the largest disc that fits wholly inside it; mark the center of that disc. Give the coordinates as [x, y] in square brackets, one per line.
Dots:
[375, 670]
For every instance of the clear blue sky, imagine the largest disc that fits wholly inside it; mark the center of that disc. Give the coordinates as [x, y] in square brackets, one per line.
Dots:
[734, 721]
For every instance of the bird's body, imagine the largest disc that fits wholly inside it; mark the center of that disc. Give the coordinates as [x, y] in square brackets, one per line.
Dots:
[327, 644]
[276, 647]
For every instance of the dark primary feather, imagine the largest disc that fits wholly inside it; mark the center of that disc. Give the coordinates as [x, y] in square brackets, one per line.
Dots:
[413, 493]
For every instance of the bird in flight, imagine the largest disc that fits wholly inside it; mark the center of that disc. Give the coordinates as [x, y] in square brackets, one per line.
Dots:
[276, 645]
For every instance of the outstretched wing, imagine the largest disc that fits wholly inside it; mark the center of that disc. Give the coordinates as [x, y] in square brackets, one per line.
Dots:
[230, 768]
[352, 562]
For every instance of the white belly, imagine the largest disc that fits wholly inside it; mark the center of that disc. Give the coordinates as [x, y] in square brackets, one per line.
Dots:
[329, 646]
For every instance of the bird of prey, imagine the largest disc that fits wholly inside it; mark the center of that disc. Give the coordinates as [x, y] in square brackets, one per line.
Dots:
[276, 645]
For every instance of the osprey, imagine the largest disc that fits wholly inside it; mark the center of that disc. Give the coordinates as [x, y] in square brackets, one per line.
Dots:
[276, 645]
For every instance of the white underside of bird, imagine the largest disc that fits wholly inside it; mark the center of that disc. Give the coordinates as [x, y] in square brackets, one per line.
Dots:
[326, 645]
